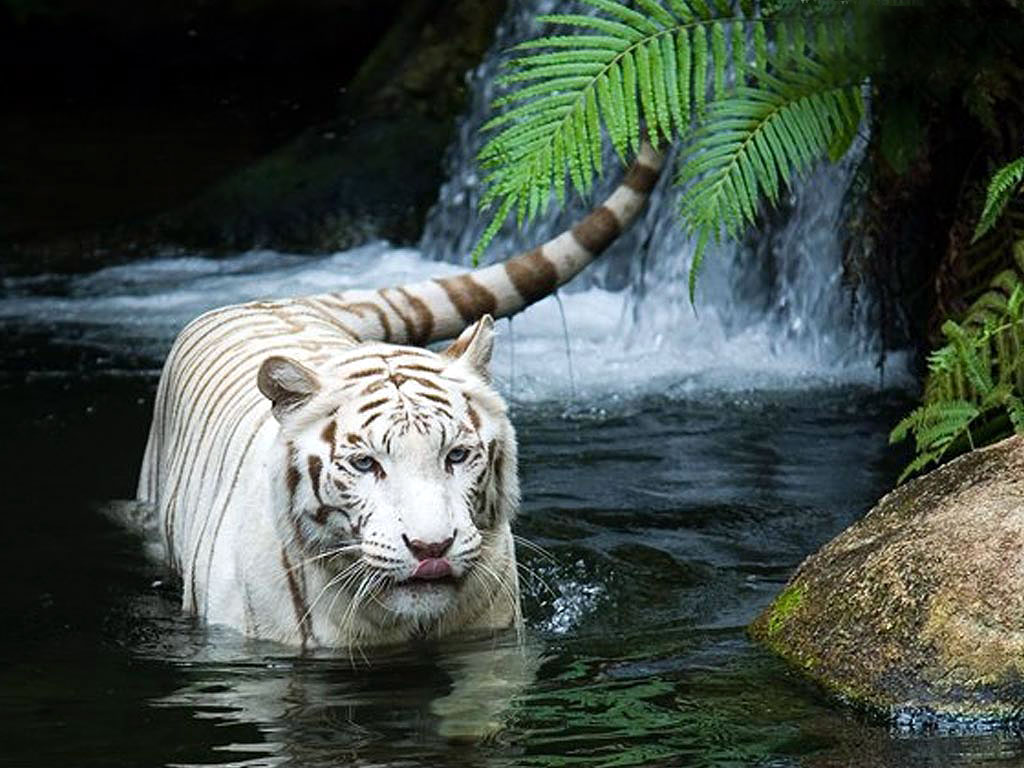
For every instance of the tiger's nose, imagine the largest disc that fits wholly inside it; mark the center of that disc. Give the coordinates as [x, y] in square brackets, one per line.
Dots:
[424, 551]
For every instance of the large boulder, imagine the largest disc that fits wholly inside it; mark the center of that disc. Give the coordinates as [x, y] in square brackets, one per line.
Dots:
[917, 611]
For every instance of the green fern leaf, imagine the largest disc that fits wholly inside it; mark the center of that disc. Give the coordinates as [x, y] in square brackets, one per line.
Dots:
[656, 11]
[659, 90]
[779, 126]
[977, 378]
[678, 121]
[718, 59]
[700, 70]
[647, 68]
[550, 72]
[683, 59]
[629, 87]
[739, 51]
[596, 23]
[703, 9]
[909, 422]
[946, 426]
[921, 461]
[634, 19]
[967, 352]
[1015, 409]
[594, 133]
[783, 43]
[643, 71]
[615, 120]
[1005, 182]
[577, 43]
[760, 46]
[799, 32]
[682, 10]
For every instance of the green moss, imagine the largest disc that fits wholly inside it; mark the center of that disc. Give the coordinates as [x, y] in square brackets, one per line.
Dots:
[790, 599]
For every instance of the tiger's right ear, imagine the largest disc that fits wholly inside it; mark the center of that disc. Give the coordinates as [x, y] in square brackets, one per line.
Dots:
[287, 384]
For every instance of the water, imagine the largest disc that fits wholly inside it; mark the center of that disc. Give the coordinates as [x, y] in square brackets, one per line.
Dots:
[698, 457]
[670, 523]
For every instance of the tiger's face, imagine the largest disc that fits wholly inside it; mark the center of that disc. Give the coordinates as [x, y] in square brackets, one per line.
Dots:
[399, 472]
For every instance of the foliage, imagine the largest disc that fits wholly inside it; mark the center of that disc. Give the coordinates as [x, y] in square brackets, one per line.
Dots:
[755, 93]
[673, 70]
[1005, 182]
[756, 140]
[974, 394]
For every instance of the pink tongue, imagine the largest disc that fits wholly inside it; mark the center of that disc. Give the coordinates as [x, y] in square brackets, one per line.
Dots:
[433, 568]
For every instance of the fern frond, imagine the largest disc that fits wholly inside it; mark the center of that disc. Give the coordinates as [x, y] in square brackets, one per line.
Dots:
[637, 69]
[1005, 183]
[974, 393]
[967, 348]
[936, 427]
[751, 141]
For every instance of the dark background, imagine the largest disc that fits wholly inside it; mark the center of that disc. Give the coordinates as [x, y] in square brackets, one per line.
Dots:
[224, 124]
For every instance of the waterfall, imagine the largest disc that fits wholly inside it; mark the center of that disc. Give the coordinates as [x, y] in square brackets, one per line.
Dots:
[769, 312]
[774, 303]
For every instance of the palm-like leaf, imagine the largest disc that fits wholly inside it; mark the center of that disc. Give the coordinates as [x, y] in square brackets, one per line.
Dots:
[976, 378]
[631, 73]
[758, 139]
[651, 71]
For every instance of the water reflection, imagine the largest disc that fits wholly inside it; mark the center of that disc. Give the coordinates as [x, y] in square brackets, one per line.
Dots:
[409, 706]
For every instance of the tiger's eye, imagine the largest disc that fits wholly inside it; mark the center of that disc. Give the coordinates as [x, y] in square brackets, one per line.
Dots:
[457, 455]
[363, 463]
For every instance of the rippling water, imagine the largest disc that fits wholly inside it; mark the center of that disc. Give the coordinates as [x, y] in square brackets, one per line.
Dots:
[672, 491]
[670, 521]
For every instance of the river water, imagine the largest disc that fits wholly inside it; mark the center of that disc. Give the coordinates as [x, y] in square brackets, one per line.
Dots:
[677, 463]
[673, 501]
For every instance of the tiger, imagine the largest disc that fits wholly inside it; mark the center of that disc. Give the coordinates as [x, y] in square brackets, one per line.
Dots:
[322, 479]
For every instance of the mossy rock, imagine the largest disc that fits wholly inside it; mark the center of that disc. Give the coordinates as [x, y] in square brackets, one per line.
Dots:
[917, 611]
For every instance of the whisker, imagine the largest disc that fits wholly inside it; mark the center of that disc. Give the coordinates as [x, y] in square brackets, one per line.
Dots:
[347, 547]
[341, 589]
[336, 579]
[366, 587]
[533, 547]
[505, 587]
[536, 578]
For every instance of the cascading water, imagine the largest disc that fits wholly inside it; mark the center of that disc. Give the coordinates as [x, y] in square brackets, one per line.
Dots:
[772, 305]
[770, 312]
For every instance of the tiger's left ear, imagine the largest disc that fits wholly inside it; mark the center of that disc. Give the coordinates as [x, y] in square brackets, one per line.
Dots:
[474, 347]
[287, 384]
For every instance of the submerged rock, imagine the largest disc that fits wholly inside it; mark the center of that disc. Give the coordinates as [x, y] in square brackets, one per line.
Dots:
[917, 611]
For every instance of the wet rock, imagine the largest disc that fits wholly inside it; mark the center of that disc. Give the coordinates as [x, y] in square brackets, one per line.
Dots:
[917, 611]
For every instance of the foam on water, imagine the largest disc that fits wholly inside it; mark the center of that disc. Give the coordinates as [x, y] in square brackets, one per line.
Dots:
[616, 350]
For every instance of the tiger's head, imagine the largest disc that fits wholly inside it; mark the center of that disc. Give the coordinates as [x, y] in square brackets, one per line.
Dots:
[399, 475]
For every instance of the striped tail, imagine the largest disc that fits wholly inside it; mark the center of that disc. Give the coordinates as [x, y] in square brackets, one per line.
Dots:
[440, 309]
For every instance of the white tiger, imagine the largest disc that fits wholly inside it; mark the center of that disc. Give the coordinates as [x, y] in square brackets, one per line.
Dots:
[320, 483]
